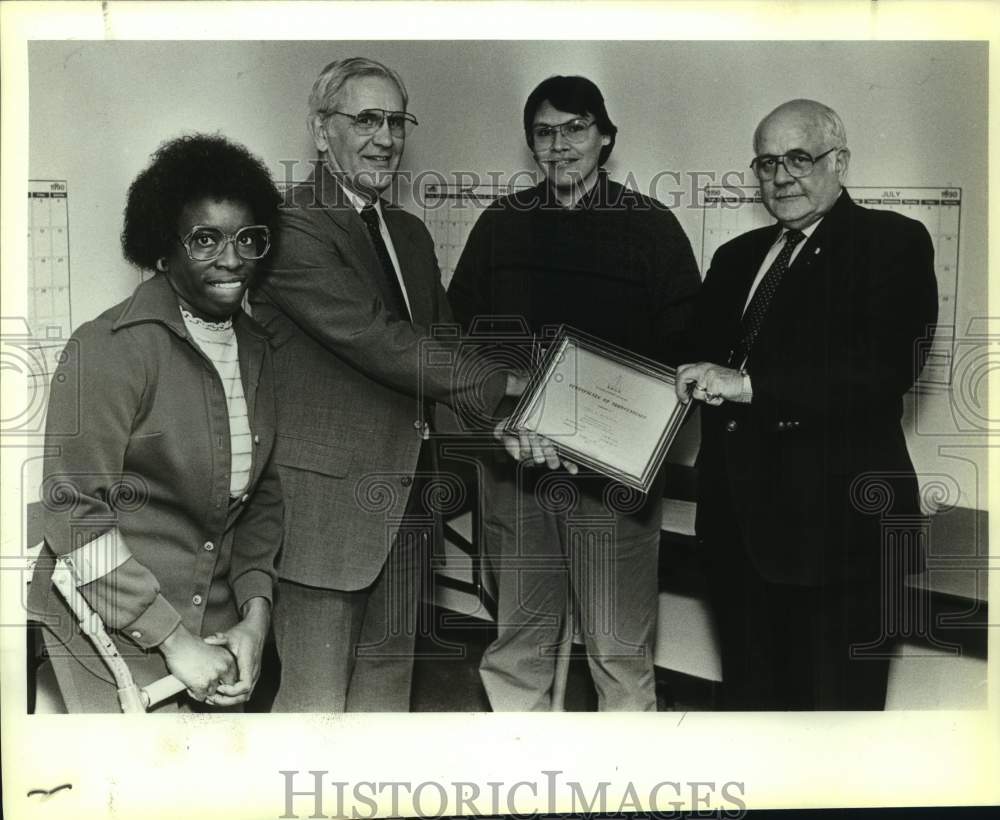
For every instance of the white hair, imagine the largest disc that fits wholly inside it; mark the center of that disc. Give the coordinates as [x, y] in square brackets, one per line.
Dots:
[824, 116]
[332, 79]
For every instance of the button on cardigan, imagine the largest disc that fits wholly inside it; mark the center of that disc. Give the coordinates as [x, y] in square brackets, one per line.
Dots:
[139, 469]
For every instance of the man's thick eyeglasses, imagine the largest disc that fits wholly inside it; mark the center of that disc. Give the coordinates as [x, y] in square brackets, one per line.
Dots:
[370, 120]
[574, 130]
[798, 164]
[206, 244]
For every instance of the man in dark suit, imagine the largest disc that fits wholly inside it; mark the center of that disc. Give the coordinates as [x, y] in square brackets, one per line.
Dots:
[809, 337]
[350, 296]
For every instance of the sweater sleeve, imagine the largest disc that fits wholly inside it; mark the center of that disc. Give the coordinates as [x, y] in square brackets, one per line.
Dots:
[471, 302]
[469, 290]
[674, 287]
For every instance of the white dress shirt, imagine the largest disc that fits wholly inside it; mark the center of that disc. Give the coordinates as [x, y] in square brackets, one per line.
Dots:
[769, 257]
[772, 254]
[359, 202]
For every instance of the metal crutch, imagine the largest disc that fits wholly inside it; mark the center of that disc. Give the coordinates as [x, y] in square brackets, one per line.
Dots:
[131, 697]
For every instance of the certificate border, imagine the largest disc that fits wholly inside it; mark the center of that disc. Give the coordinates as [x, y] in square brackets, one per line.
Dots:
[634, 361]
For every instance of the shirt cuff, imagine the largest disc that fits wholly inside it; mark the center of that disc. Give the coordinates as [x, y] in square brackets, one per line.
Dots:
[746, 395]
[154, 625]
[254, 583]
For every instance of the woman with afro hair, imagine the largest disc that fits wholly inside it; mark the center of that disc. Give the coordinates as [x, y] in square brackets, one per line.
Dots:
[159, 486]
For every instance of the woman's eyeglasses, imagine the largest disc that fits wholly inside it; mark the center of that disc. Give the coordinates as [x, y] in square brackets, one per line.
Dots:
[206, 244]
[574, 131]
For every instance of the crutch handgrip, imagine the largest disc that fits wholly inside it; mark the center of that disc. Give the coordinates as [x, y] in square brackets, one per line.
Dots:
[130, 697]
[160, 690]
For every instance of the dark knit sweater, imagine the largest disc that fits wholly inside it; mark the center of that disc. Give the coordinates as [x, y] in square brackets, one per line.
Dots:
[617, 266]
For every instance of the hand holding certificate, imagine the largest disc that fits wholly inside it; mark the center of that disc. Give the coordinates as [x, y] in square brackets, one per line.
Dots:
[524, 445]
[602, 407]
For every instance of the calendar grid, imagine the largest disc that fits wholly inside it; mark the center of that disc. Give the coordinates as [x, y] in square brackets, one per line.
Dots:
[49, 304]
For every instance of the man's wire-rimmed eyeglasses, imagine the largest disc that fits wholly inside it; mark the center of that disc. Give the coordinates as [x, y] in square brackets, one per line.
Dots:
[370, 120]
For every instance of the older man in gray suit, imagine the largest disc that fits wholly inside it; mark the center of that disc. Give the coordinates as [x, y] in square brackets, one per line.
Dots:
[352, 291]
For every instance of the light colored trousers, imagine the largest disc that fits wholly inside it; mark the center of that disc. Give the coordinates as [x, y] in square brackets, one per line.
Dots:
[550, 536]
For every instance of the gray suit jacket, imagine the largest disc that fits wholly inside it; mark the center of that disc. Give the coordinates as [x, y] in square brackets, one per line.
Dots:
[352, 387]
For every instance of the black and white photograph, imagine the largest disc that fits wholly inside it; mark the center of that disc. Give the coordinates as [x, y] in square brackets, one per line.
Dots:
[309, 507]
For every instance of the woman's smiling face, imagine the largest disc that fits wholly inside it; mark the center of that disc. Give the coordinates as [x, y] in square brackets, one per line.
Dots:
[211, 289]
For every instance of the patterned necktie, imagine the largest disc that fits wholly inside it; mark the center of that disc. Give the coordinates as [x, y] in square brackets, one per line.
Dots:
[395, 302]
[753, 317]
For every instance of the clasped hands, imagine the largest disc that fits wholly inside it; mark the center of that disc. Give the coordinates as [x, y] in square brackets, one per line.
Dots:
[220, 669]
[710, 383]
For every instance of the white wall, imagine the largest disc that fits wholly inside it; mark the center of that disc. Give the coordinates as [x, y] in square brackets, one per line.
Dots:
[915, 115]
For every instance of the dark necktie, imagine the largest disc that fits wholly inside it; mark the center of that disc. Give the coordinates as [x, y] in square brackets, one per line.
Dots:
[753, 317]
[392, 290]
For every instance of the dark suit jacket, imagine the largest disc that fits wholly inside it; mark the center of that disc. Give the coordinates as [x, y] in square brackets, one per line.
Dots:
[352, 390]
[809, 468]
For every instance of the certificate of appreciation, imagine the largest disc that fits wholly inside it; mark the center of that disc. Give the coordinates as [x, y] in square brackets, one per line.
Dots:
[603, 407]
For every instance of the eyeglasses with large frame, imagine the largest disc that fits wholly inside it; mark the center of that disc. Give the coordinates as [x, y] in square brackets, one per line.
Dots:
[206, 243]
[574, 130]
[369, 121]
[797, 164]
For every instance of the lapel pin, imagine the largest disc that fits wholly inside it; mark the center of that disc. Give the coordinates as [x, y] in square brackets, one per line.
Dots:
[816, 252]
